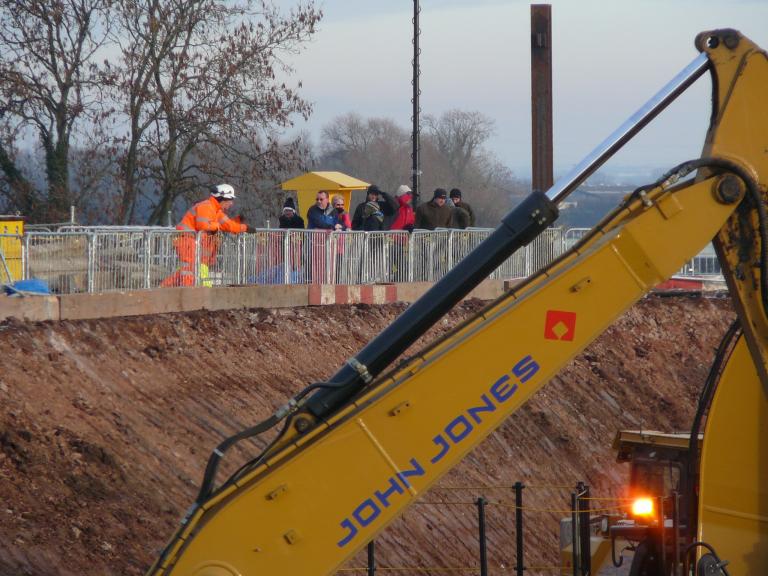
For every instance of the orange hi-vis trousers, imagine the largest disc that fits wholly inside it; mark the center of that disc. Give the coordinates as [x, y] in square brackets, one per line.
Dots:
[185, 249]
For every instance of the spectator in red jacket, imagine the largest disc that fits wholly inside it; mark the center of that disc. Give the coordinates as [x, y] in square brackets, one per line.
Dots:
[405, 217]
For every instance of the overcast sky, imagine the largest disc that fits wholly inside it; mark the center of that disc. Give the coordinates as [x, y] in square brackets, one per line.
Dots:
[609, 57]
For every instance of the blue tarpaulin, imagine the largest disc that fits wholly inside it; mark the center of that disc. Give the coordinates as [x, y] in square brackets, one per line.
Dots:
[31, 287]
[276, 275]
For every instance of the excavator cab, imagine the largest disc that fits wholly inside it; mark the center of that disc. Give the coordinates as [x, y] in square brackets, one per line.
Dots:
[658, 463]
[660, 493]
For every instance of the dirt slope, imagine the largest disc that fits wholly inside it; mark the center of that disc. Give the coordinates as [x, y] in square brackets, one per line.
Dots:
[105, 426]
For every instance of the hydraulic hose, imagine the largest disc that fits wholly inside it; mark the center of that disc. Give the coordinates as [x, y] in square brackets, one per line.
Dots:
[705, 400]
[209, 477]
[753, 191]
[719, 564]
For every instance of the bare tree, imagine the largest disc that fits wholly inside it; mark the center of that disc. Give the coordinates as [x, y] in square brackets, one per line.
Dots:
[260, 197]
[17, 191]
[201, 92]
[374, 149]
[452, 154]
[458, 135]
[47, 84]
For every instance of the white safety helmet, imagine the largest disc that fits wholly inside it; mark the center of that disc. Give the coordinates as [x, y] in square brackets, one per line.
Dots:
[402, 190]
[223, 192]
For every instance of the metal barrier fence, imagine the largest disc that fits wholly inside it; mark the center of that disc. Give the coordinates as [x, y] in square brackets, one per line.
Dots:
[703, 264]
[102, 259]
[501, 525]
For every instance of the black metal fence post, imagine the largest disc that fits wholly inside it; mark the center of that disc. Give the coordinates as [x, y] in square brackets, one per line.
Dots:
[663, 536]
[585, 554]
[481, 502]
[676, 531]
[371, 558]
[520, 564]
[575, 534]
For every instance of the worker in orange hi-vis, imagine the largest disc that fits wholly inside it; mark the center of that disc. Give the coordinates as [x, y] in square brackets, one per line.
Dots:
[210, 217]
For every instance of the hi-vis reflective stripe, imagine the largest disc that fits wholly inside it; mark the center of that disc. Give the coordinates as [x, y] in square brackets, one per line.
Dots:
[202, 219]
[224, 218]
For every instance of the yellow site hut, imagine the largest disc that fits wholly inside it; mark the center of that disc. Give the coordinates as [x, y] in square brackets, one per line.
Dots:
[11, 229]
[309, 184]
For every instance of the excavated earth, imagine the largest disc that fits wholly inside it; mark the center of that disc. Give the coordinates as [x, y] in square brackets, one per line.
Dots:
[105, 426]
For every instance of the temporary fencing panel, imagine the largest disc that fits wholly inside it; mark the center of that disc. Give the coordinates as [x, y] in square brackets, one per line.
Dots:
[130, 258]
[540, 252]
[430, 255]
[573, 235]
[117, 260]
[703, 264]
[543, 250]
[63, 260]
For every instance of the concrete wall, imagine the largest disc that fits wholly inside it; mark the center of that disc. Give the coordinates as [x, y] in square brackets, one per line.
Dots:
[165, 300]
[33, 308]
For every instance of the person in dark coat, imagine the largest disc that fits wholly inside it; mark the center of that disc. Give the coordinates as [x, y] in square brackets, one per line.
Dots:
[462, 216]
[435, 213]
[320, 216]
[289, 218]
[373, 220]
[373, 217]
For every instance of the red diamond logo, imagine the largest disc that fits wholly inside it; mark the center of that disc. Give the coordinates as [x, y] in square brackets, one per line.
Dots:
[560, 325]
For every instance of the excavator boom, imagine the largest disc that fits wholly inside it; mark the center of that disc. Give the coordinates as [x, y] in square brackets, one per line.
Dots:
[357, 450]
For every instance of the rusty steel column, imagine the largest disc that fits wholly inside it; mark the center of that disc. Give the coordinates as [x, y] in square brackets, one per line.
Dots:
[541, 96]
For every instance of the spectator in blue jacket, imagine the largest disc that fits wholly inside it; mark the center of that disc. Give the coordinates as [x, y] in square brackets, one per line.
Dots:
[322, 216]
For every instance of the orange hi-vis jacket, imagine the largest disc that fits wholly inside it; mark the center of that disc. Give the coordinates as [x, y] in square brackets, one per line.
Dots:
[207, 216]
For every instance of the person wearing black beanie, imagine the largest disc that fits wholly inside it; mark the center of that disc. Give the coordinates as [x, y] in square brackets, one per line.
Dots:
[289, 218]
[463, 216]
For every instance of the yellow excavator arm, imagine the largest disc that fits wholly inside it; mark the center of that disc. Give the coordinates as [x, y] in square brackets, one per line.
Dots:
[355, 451]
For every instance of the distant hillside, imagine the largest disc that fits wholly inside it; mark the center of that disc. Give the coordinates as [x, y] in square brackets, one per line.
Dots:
[586, 207]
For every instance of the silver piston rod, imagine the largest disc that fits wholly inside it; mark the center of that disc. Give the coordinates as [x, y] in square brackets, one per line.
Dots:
[624, 133]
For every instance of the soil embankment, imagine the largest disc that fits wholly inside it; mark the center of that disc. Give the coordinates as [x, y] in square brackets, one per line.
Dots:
[105, 426]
